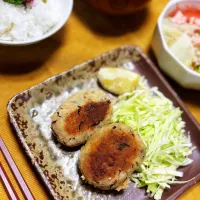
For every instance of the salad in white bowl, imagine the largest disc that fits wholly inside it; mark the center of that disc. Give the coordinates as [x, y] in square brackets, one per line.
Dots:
[176, 42]
[182, 33]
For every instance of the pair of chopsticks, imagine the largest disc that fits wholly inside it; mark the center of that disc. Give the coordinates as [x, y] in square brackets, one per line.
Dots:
[15, 171]
[7, 184]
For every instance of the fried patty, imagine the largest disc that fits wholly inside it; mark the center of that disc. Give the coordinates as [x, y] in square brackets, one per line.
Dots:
[77, 118]
[110, 156]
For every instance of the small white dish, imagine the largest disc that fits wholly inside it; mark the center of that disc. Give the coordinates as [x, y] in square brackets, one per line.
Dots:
[186, 77]
[66, 6]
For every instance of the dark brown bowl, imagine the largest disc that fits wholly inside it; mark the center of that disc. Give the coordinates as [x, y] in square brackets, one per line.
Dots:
[118, 7]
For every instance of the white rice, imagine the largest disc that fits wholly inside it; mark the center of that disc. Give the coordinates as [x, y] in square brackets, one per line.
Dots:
[22, 23]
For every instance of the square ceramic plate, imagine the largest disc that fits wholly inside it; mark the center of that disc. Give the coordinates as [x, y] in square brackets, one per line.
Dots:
[30, 113]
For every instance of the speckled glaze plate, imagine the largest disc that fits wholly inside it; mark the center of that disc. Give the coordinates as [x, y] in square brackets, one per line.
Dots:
[30, 113]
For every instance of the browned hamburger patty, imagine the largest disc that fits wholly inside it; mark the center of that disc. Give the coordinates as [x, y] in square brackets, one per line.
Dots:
[76, 119]
[110, 156]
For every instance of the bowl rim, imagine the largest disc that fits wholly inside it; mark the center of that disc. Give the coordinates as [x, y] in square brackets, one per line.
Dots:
[52, 31]
[160, 19]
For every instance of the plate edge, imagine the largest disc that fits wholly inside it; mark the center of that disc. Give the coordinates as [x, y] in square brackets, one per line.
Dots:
[158, 73]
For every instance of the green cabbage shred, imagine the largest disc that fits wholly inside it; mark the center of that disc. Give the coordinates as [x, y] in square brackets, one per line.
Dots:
[161, 127]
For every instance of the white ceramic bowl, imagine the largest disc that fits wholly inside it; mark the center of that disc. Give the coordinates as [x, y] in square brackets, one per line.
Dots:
[166, 60]
[66, 6]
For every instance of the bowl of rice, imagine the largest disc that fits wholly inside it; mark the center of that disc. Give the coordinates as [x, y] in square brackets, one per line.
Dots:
[24, 22]
[176, 42]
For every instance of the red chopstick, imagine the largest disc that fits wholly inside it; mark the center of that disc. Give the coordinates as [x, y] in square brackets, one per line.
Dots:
[7, 184]
[23, 186]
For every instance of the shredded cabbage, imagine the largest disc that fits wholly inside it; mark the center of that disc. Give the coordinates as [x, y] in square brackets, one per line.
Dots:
[161, 127]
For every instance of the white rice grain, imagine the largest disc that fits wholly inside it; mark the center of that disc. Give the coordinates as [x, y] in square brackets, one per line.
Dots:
[22, 23]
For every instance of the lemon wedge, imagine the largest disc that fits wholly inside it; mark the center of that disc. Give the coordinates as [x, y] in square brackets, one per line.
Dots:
[118, 80]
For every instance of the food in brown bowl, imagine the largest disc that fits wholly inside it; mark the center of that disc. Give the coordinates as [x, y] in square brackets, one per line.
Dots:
[116, 7]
